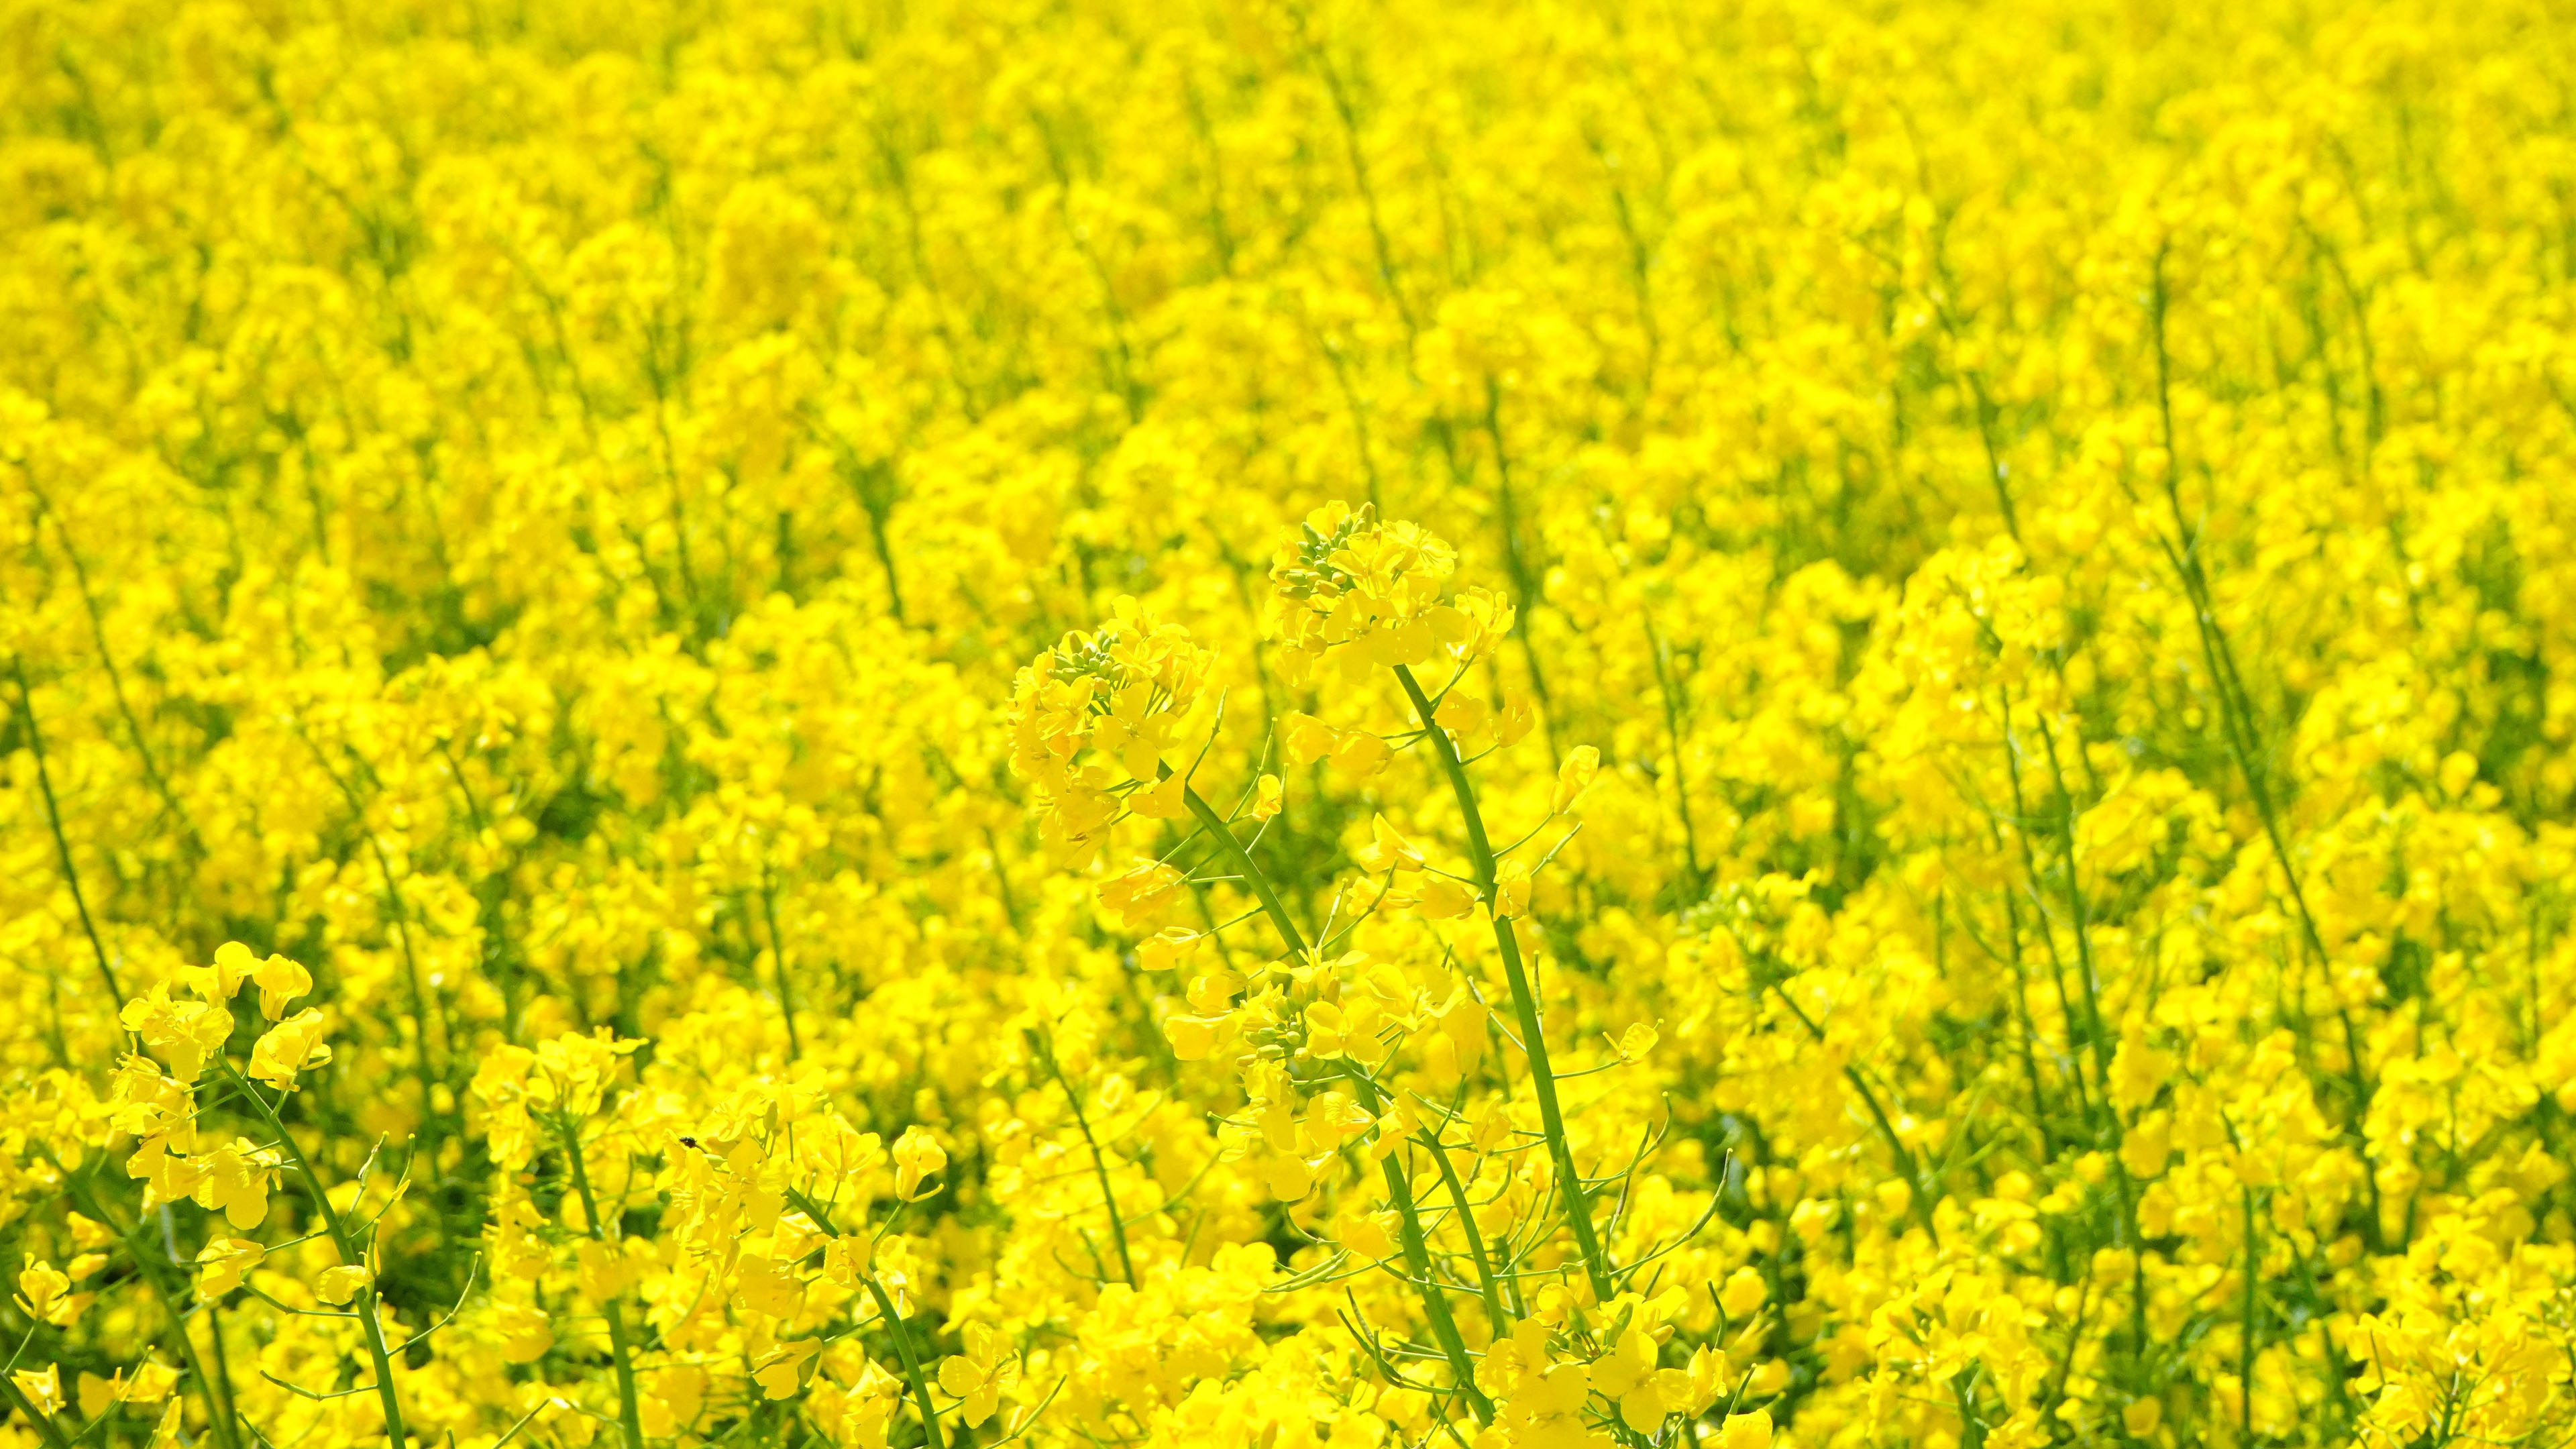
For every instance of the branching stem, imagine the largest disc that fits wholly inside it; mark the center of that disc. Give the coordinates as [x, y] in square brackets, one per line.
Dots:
[1480, 857]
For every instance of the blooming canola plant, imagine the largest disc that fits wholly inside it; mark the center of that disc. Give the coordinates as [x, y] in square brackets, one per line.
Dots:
[1282, 724]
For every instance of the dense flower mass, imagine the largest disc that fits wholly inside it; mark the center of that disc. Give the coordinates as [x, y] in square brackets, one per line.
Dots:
[1287, 724]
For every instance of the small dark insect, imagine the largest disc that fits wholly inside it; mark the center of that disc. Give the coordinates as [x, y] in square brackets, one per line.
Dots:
[688, 1142]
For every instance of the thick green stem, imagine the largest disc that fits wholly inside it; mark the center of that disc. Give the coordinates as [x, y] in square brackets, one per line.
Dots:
[1475, 1240]
[1258, 883]
[1417, 1259]
[911, 1364]
[367, 1299]
[1399, 1188]
[1480, 859]
[629, 1412]
[894, 1328]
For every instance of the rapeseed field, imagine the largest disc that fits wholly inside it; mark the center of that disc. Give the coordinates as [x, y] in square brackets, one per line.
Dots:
[898, 722]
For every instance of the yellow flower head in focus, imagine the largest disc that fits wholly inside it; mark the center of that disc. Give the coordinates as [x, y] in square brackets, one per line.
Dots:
[917, 1157]
[43, 1388]
[185, 1033]
[280, 981]
[981, 1376]
[223, 1264]
[1347, 579]
[1120, 695]
[338, 1285]
[1746, 1431]
[44, 1294]
[779, 1370]
[235, 1182]
[289, 1047]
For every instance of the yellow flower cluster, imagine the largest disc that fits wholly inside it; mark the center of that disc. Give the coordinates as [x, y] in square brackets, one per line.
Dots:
[1124, 692]
[1311, 725]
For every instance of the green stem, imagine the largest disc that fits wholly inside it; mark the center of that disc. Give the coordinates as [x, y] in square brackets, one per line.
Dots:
[62, 844]
[1475, 1240]
[629, 1413]
[2245, 1349]
[1417, 1259]
[1480, 858]
[1099, 1162]
[214, 1389]
[1252, 876]
[894, 1327]
[107, 658]
[2076, 908]
[1399, 1188]
[778, 962]
[1671, 691]
[1904, 1159]
[1915, 1177]
[223, 1376]
[365, 1304]
[396, 914]
[2091, 1019]
[911, 1363]
[2236, 707]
